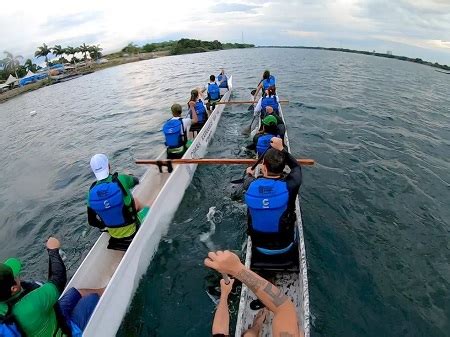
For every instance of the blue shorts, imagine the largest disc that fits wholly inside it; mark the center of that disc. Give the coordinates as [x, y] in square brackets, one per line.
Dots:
[77, 309]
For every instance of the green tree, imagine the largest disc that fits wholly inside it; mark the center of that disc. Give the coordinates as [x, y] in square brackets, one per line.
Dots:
[11, 63]
[43, 51]
[131, 48]
[95, 52]
[30, 66]
[57, 50]
[84, 48]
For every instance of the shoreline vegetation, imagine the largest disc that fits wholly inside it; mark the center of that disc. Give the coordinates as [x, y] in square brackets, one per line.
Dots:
[373, 53]
[90, 62]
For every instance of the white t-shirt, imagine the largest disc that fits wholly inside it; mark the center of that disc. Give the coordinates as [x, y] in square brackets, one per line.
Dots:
[187, 122]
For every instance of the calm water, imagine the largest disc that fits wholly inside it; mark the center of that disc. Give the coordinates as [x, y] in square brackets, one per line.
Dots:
[375, 206]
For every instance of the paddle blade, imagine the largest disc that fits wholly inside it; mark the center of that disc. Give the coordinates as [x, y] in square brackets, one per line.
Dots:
[247, 130]
[253, 92]
[251, 108]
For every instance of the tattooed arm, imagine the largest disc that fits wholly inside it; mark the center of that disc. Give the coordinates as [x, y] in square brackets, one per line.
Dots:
[285, 323]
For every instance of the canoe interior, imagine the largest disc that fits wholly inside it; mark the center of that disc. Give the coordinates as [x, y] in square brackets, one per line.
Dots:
[294, 284]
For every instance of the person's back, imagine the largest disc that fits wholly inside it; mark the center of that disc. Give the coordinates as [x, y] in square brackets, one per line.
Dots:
[175, 132]
[269, 101]
[213, 89]
[262, 140]
[197, 110]
[223, 79]
[271, 201]
[110, 202]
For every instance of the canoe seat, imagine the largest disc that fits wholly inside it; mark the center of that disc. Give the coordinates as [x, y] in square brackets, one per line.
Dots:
[288, 261]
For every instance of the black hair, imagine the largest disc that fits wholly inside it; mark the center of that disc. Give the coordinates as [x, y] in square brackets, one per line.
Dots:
[271, 90]
[272, 129]
[212, 78]
[274, 161]
[266, 74]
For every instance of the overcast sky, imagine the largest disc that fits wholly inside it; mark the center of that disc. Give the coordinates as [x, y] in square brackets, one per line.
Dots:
[415, 28]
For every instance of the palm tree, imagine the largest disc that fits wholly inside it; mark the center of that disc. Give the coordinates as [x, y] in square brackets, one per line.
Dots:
[11, 63]
[57, 50]
[43, 51]
[30, 66]
[84, 49]
[95, 52]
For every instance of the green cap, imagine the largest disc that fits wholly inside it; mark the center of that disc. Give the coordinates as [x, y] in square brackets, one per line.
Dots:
[9, 271]
[270, 120]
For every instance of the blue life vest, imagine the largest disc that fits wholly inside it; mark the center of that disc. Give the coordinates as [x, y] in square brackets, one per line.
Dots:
[263, 143]
[270, 82]
[201, 111]
[267, 200]
[106, 199]
[174, 131]
[223, 84]
[269, 101]
[9, 329]
[213, 91]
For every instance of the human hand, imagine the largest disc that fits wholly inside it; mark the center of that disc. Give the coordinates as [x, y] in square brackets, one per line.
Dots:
[224, 262]
[276, 143]
[250, 171]
[53, 243]
[225, 289]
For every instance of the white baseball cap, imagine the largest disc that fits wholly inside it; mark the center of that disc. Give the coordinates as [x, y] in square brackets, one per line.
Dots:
[100, 166]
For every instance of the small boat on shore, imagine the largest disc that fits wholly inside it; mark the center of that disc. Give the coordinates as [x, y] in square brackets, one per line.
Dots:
[290, 276]
[120, 272]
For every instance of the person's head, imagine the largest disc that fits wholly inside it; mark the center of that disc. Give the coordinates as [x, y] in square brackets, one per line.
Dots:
[100, 166]
[271, 91]
[266, 74]
[222, 71]
[9, 278]
[194, 94]
[270, 125]
[269, 110]
[176, 110]
[212, 78]
[273, 162]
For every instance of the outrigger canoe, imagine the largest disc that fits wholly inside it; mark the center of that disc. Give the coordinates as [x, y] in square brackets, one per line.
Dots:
[292, 277]
[120, 272]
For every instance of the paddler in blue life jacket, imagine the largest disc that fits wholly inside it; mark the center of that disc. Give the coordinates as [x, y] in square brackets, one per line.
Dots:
[271, 201]
[266, 82]
[223, 79]
[270, 99]
[262, 139]
[197, 109]
[111, 205]
[213, 92]
[40, 311]
[175, 132]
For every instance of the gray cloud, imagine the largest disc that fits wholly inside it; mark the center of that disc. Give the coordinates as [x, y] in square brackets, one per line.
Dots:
[70, 21]
[232, 7]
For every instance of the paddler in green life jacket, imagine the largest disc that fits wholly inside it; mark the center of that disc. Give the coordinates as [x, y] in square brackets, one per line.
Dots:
[37, 312]
[111, 205]
[176, 132]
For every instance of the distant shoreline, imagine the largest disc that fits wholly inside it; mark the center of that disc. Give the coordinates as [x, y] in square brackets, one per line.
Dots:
[363, 52]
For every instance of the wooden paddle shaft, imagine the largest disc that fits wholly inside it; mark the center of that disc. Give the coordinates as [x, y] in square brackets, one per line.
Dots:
[216, 161]
[248, 102]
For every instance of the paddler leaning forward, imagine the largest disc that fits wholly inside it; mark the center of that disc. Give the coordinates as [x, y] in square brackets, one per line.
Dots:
[270, 201]
[111, 205]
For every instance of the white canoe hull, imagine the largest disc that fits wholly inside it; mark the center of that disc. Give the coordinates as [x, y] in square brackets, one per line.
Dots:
[294, 284]
[121, 272]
